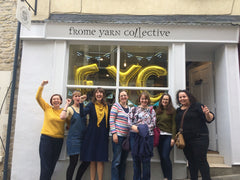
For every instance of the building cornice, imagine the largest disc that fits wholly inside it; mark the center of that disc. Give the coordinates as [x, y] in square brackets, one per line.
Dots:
[145, 19]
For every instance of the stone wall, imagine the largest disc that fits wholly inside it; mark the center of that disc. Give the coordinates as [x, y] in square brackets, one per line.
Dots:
[8, 30]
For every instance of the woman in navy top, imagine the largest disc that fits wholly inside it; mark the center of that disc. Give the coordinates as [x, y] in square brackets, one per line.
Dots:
[195, 133]
[95, 144]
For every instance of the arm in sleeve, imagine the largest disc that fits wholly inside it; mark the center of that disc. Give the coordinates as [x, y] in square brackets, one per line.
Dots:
[131, 116]
[208, 115]
[39, 98]
[84, 111]
[153, 119]
[173, 125]
[112, 120]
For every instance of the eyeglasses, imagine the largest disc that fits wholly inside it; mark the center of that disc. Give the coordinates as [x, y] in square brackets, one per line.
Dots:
[123, 95]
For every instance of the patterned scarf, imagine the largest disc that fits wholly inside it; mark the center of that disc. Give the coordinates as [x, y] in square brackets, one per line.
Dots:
[101, 110]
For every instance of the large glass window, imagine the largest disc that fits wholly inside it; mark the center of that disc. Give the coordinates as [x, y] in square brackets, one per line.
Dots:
[133, 68]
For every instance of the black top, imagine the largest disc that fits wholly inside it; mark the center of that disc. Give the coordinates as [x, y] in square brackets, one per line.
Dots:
[194, 120]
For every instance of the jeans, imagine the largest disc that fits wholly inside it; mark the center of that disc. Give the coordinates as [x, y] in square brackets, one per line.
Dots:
[119, 160]
[49, 151]
[164, 149]
[142, 169]
[196, 153]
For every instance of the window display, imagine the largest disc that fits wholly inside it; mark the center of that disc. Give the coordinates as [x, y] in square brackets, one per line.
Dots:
[137, 68]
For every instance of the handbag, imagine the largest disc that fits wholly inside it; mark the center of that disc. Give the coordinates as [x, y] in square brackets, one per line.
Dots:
[126, 144]
[156, 131]
[179, 140]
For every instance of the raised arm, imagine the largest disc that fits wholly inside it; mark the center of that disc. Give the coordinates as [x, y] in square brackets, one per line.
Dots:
[86, 110]
[64, 114]
[209, 115]
[39, 98]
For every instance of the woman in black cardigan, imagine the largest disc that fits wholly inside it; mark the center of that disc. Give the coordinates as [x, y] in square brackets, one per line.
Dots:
[195, 133]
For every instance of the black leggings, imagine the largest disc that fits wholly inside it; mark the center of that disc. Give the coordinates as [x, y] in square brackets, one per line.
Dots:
[72, 165]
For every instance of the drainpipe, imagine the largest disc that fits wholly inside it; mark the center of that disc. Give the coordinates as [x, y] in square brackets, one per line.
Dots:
[5, 171]
[239, 52]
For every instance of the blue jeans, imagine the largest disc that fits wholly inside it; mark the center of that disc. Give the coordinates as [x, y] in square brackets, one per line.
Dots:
[119, 160]
[49, 151]
[142, 169]
[164, 149]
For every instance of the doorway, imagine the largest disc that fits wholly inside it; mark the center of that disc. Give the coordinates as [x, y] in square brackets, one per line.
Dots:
[201, 85]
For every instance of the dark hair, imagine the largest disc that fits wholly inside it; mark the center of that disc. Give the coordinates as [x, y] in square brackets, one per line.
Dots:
[55, 95]
[94, 98]
[191, 98]
[170, 109]
[146, 96]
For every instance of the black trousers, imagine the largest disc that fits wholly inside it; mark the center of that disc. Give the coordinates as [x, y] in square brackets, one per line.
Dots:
[196, 153]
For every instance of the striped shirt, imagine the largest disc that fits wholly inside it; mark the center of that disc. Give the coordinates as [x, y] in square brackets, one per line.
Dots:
[118, 120]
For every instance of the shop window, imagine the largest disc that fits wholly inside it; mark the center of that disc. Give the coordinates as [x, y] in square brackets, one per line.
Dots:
[133, 68]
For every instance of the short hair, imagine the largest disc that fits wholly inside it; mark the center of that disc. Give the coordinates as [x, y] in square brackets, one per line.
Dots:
[121, 92]
[55, 95]
[144, 93]
[76, 92]
[191, 98]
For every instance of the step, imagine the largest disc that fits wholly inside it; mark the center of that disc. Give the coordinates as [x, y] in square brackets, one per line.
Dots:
[223, 171]
[215, 158]
[226, 177]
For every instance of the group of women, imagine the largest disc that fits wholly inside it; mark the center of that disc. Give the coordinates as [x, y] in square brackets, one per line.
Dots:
[90, 142]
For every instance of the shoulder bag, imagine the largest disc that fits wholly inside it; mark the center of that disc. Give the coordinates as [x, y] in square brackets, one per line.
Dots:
[179, 140]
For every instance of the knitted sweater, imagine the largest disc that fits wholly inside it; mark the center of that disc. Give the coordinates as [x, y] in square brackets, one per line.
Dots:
[53, 125]
[166, 123]
[118, 120]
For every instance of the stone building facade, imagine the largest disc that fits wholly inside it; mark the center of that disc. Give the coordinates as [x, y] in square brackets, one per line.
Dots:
[8, 29]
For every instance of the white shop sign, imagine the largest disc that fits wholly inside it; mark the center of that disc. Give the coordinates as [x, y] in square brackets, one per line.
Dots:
[144, 32]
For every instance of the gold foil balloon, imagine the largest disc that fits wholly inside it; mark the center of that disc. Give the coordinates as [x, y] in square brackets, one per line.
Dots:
[145, 73]
[81, 74]
[124, 77]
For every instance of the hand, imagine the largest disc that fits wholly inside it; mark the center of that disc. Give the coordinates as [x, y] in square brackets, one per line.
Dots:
[44, 83]
[115, 138]
[135, 128]
[83, 98]
[205, 109]
[172, 142]
[68, 101]
[209, 116]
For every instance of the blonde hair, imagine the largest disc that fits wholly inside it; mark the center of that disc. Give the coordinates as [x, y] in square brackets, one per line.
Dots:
[76, 93]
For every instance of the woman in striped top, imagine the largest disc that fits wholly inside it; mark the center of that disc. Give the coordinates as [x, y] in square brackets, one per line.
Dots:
[119, 129]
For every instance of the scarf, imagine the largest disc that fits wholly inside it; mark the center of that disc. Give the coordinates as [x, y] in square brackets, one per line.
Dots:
[101, 111]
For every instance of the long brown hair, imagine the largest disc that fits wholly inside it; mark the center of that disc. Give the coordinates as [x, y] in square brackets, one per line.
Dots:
[101, 90]
[170, 109]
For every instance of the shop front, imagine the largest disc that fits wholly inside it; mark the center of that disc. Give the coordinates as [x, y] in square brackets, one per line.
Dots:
[156, 58]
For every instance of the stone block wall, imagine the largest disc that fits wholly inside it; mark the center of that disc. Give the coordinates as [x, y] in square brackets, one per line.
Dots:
[8, 30]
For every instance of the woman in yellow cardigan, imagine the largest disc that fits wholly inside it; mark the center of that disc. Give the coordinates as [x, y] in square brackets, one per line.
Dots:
[52, 133]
